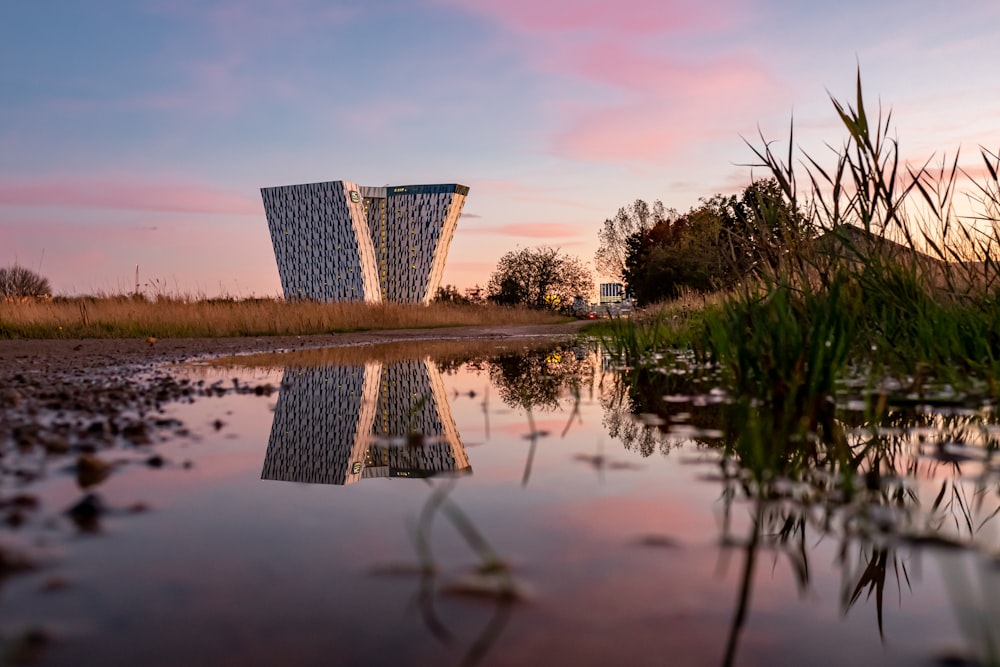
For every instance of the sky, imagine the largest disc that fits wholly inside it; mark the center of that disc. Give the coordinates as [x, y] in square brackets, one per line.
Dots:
[135, 135]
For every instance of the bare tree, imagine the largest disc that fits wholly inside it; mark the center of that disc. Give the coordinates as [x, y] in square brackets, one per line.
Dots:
[639, 217]
[17, 282]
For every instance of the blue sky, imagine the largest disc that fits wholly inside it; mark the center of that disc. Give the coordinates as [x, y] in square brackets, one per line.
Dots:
[139, 133]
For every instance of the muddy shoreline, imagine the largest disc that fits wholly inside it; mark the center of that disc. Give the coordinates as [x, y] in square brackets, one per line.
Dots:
[83, 396]
[69, 404]
[75, 357]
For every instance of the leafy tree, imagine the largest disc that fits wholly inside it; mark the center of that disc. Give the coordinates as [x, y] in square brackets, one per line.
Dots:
[475, 294]
[759, 226]
[716, 244]
[17, 282]
[450, 294]
[613, 236]
[673, 255]
[539, 278]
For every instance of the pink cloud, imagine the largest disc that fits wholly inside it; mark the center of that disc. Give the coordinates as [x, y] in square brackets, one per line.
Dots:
[624, 17]
[629, 68]
[669, 104]
[539, 230]
[181, 198]
[666, 98]
[470, 266]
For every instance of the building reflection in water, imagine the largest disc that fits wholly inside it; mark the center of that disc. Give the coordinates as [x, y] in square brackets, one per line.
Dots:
[341, 424]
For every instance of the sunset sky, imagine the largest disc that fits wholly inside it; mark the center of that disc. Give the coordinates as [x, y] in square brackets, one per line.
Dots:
[139, 132]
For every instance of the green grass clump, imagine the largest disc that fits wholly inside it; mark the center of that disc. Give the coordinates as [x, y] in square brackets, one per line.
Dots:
[674, 324]
[782, 348]
[896, 278]
[890, 281]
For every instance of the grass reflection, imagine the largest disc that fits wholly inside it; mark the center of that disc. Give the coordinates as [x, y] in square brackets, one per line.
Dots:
[888, 475]
[492, 578]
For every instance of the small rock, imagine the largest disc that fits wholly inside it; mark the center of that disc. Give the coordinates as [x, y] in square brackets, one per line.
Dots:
[501, 587]
[12, 562]
[54, 444]
[659, 541]
[91, 471]
[10, 398]
[98, 429]
[15, 519]
[26, 435]
[137, 433]
[87, 511]
[21, 501]
[55, 583]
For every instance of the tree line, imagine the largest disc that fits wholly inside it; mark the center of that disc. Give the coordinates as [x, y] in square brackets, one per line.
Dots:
[657, 252]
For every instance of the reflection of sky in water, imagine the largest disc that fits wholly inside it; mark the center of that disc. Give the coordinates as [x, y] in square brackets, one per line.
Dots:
[228, 569]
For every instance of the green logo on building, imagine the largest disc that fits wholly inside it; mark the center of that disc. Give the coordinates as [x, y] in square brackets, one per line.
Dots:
[355, 197]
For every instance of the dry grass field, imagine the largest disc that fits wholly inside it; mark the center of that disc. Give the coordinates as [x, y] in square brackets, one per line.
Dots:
[125, 317]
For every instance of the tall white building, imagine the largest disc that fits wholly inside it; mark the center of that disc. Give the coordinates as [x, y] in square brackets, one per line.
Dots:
[337, 241]
[342, 424]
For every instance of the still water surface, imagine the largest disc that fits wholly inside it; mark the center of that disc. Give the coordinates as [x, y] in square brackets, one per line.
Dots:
[307, 527]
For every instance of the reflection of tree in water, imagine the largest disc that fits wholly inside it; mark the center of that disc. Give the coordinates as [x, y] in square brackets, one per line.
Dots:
[883, 485]
[543, 380]
[540, 380]
[620, 411]
[636, 414]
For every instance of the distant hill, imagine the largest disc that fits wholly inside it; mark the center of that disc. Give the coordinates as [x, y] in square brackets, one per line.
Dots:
[853, 243]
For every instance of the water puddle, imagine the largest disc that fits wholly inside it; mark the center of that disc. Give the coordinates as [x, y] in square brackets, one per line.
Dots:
[515, 503]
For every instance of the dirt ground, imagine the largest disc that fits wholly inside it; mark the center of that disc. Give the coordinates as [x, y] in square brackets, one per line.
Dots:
[78, 357]
[79, 397]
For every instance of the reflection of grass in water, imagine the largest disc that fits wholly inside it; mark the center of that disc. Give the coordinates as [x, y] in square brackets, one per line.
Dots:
[850, 477]
[491, 579]
[864, 496]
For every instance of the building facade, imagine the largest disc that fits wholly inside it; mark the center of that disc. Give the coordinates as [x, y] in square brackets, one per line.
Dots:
[612, 293]
[337, 241]
[342, 424]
